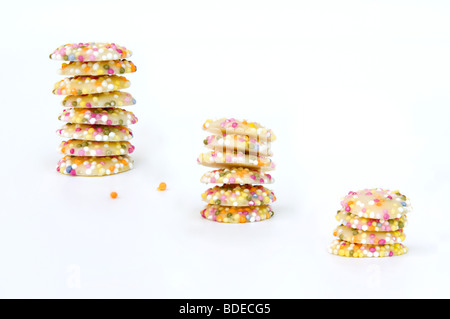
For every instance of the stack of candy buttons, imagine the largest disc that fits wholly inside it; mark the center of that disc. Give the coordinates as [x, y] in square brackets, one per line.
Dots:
[240, 151]
[96, 124]
[371, 224]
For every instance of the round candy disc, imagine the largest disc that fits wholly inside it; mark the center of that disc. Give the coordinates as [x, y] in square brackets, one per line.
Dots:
[241, 143]
[94, 166]
[357, 236]
[376, 203]
[235, 159]
[94, 148]
[239, 195]
[224, 214]
[237, 175]
[88, 132]
[79, 85]
[90, 51]
[97, 68]
[233, 126]
[369, 224]
[99, 100]
[98, 116]
[346, 249]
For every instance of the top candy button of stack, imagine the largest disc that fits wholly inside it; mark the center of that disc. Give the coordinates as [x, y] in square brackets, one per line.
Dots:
[92, 108]
[240, 152]
[371, 224]
[91, 51]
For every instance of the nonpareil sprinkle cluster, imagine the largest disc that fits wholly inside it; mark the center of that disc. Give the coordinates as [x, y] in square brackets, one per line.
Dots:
[240, 151]
[96, 125]
[371, 224]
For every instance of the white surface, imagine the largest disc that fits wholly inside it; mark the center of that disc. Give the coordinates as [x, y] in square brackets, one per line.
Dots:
[356, 91]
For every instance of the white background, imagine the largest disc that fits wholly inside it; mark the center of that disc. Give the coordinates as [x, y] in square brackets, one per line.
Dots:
[357, 93]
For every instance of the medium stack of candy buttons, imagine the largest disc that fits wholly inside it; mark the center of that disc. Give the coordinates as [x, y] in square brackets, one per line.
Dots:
[96, 125]
[240, 151]
[371, 223]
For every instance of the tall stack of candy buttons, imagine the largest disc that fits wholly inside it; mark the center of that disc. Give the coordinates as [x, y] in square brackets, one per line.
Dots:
[96, 125]
[371, 223]
[240, 152]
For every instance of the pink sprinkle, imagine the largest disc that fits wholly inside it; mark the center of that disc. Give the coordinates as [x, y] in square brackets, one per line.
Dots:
[386, 216]
[81, 153]
[73, 172]
[88, 105]
[232, 180]
[382, 242]
[80, 58]
[391, 253]
[213, 180]
[253, 177]
[72, 151]
[110, 71]
[372, 249]
[108, 122]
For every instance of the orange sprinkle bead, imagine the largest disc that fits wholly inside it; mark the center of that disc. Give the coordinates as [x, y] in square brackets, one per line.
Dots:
[113, 195]
[162, 186]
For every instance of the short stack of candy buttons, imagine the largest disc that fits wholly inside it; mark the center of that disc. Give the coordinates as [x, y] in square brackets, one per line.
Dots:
[371, 224]
[96, 123]
[240, 151]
